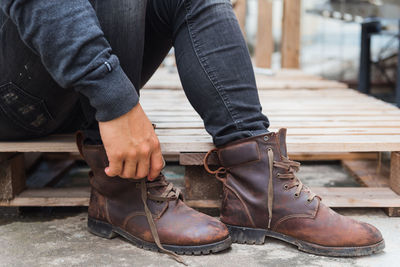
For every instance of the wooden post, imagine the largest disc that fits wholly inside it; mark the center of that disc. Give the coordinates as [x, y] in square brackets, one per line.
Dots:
[199, 184]
[394, 181]
[240, 7]
[12, 175]
[395, 172]
[291, 34]
[265, 41]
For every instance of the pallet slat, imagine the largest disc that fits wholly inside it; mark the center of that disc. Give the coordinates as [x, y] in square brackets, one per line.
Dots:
[334, 197]
[189, 143]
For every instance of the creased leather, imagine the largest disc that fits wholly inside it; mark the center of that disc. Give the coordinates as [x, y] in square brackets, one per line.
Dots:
[292, 216]
[118, 201]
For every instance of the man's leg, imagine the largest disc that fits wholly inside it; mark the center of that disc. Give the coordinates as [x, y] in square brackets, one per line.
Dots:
[262, 195]
[214, 65]
[150, 214]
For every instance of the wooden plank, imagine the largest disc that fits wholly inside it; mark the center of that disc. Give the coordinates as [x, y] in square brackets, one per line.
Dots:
[337, 197]
[293, 131]
[367, 172]
[50, 197]
[12, 177]
[285, 118]
[392, 212]
[395, 172]
[290, 50]
[277, 114]
[358, 196]
[276, 124]
[262, 84]
[196, 159]
[240, 9]
[335, 121]
[181, 143]
[264, 39]
[332, 156]
[282, 79]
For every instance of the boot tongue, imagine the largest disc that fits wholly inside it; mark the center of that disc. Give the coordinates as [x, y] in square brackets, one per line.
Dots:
[282, 141]
[158, 190]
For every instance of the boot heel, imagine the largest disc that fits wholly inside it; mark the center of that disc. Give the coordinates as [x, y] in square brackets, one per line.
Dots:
[101, 229]
[244, 235]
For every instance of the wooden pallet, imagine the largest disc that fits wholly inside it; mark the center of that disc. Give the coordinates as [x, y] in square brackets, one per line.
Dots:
[332, 122]
[165, 78]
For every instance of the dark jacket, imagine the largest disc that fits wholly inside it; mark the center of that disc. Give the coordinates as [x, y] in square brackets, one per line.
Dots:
[72, 47]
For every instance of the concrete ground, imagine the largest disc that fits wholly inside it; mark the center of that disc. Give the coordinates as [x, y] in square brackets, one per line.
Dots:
[58, 237]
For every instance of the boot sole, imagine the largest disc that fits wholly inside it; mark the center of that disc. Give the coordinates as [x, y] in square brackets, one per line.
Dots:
[106, 230]
[244, 235]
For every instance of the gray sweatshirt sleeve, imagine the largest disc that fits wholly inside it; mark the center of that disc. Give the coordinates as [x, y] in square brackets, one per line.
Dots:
[66, 35]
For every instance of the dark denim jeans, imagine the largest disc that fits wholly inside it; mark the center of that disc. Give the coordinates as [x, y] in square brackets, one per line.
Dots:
[212, 58]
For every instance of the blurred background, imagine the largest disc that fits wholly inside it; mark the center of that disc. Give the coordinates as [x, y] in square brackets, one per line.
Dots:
[330, 39]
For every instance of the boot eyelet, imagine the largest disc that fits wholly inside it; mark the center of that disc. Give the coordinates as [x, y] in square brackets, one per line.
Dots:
[309, 201]
[266, 138]
[296, 195]
[286, 186]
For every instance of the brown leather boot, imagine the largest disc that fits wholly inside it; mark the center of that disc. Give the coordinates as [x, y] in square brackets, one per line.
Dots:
[263, 197]
[151, 215]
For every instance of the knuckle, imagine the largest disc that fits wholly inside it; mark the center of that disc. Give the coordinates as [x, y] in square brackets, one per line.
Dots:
[158, 166]
[117, 156]
[132, 154]
[145, 150]
[156, 142]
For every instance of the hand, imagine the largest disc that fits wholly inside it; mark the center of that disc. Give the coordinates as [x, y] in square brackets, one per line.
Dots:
[132, 146]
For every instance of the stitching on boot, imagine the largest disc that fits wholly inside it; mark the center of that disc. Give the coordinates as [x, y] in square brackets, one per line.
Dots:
[242, 202]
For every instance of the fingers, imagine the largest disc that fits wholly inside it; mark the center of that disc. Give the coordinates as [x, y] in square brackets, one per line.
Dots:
[143, 168]
[114, 168]
[156, 165]
[144, 160]
[130, 167]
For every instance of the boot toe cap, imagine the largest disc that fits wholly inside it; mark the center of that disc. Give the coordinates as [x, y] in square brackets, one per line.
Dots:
[187, 227]
[206, 230]
[371, 235]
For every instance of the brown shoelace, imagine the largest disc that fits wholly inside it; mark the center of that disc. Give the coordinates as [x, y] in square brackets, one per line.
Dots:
[170, 193]
[290, 168]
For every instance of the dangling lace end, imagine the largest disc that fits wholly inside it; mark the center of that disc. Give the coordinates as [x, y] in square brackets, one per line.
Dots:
[180, 260]
[174, 256]
[152, 225]
[269, 222]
